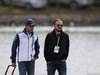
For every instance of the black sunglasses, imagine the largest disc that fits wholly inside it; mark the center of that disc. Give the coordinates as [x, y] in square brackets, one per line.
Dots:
[59, 25]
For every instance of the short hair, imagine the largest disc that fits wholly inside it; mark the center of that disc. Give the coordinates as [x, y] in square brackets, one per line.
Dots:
[56, 21]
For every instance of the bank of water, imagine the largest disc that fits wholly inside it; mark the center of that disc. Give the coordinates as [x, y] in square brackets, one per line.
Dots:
[84, 50]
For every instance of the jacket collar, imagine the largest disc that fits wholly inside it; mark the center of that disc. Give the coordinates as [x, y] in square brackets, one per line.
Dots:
[26, 32]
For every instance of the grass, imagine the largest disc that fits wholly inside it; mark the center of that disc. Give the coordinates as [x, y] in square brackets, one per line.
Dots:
[9, 8]
[66, 8]
[50, 8]
[95, 7]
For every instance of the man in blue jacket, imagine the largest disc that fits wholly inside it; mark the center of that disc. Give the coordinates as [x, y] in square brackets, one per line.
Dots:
[28, 49]
[56, 49]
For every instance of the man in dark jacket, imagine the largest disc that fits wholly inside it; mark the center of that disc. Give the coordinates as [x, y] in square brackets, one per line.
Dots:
[56, 49]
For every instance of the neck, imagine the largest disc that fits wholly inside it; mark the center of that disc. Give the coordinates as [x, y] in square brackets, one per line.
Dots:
[57, 32]
[28, 32]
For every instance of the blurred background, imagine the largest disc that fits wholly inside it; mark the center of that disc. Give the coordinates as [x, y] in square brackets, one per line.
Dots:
[81, 21]
[72, 12]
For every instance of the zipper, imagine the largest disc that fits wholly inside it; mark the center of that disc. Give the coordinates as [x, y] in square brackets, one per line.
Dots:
[28, 50]
[32, 45]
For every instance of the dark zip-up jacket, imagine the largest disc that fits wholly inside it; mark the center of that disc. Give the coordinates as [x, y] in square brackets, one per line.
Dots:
[51, 42]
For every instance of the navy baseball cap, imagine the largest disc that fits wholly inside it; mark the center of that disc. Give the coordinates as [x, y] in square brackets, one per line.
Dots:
[30, 22]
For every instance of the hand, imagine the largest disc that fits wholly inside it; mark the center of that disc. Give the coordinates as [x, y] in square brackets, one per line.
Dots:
[63, 59]
[34, 59]
[13, 64]
[48, 62]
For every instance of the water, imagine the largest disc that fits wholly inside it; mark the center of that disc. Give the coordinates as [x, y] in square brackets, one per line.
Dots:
[84, 53]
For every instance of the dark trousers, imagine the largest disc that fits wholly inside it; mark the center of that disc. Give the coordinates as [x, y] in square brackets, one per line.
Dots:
[60, 66]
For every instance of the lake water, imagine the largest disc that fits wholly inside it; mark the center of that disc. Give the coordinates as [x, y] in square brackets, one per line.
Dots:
[84, 53]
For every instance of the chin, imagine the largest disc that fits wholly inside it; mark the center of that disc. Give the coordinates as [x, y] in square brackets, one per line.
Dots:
[59, 30]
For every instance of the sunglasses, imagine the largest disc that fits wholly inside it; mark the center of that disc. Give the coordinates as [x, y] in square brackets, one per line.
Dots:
[59, 25]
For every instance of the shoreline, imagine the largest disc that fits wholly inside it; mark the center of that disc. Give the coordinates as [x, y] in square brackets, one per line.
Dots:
[45, 18]
[84, 29]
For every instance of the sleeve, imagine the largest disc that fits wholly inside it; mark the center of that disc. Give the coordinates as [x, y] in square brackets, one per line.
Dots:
[37, 47]
[14, 47]
[67, 48]
[46, 45]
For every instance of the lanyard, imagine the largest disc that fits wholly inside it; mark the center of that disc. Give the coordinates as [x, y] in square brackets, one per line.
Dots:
[58, 39]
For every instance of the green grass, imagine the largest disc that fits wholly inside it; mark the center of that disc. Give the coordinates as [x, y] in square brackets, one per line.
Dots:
[66, 8]
[94, 7]
[50, 8]
[53, 8]
[9, 8]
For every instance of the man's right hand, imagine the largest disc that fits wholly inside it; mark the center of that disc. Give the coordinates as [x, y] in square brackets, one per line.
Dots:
[48, 62]
[13, 64]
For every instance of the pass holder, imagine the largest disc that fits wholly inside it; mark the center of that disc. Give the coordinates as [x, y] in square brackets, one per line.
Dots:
[56, 49]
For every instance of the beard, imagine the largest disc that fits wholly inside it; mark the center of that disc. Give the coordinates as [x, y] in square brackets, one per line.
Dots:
[58, 30]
